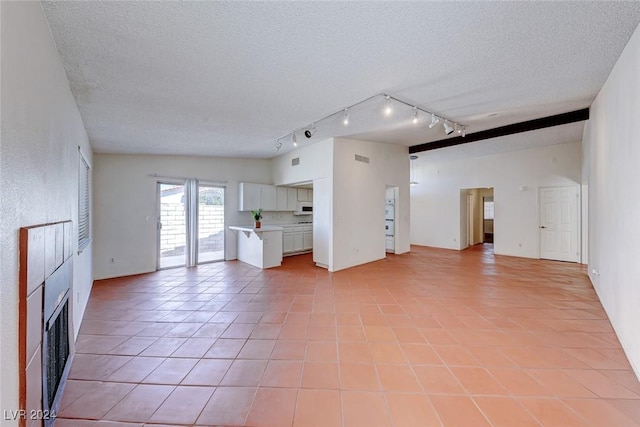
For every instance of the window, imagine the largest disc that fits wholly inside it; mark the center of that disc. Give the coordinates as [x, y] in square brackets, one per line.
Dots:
[84, 229]
[488, 208]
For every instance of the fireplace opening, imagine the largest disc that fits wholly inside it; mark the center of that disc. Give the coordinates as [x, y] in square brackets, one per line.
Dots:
[56, 354]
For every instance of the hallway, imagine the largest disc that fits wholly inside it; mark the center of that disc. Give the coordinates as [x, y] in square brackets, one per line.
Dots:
[430, 338]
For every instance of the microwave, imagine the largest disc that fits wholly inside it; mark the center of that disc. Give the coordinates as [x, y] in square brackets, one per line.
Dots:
[304, 208]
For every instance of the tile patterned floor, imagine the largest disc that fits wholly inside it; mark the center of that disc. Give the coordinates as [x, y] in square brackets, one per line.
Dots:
[430, 338]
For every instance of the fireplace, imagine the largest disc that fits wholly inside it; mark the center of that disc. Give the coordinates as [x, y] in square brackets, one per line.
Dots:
[45, 340]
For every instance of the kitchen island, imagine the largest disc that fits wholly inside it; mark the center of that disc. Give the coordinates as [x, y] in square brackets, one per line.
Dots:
[260, 247]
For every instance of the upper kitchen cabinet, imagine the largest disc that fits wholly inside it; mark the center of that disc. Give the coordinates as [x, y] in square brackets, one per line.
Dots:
[257, 196]
[287, 199]
[305, 195]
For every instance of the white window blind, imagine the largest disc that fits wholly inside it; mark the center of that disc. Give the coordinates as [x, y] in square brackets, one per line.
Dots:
[84, 234]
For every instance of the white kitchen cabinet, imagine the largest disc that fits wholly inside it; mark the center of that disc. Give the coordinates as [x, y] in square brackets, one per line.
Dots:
[298, 241]
[292, 199]
[249, 196]
[269, 198]
[307, 240]
[257, 196]
[287, 243]
[303, 194]
[282, 198]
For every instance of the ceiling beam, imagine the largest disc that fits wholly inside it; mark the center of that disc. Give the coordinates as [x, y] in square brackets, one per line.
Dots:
[544, 122]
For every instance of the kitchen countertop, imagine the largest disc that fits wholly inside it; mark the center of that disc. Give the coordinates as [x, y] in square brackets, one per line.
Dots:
[249, 228]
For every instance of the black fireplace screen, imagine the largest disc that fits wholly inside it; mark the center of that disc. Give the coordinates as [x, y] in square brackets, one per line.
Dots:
[57, 353]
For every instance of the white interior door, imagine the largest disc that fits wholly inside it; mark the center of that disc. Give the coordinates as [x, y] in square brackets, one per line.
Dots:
[559, 223]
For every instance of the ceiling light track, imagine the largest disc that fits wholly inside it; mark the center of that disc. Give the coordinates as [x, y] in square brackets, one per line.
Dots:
[310, 130]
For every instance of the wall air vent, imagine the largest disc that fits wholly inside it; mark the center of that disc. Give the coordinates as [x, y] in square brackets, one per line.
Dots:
[362, 159]
[295, 162]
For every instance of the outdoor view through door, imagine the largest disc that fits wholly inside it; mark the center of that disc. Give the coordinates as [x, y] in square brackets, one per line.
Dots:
[190, 229]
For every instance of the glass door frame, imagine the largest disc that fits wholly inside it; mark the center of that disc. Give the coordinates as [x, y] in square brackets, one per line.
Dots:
[159, 221]
[191, 191]
[224, 221]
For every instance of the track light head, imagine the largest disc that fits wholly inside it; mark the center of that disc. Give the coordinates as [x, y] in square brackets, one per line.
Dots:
[294, 140]
[278, 145]
[310, 132]
[387, 106]
[415, 115]
[434, 121]
[447, 128]
[345, 119]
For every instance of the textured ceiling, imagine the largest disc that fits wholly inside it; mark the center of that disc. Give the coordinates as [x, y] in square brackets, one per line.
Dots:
[228, 78]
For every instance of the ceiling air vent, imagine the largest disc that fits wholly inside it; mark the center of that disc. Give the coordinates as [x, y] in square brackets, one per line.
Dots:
[362, 159]
[295, 162]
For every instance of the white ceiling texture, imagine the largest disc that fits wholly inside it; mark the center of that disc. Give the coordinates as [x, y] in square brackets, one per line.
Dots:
[230, 78]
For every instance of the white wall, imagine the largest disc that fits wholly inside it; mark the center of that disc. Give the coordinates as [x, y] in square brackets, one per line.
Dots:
[359, 191]
[353, 224]
[316, 165]
[436, 200]
[41, 132]
[612, 158]
[125, 195]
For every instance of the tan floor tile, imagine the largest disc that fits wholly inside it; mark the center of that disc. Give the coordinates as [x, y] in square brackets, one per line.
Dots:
[318, 408]
[504, 412]
[411, 410]
[359, 376]
[320, 375]
[458, 411]
[364, 409]
[183, 406]
[282, 373]
[228, 406]
[140, 404]
[273, 407]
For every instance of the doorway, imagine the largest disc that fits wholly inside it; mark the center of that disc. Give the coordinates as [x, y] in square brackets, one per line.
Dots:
[390, 214]
[559, 223]
[190, 223]
[476, 217]
[487, 218]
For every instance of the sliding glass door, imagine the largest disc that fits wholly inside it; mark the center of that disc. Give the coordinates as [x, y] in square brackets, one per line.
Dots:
[190, 223]
[172, 225]
[210, 223]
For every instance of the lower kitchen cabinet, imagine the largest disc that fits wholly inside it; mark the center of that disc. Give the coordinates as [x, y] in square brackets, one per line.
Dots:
[307, 240]
[287, 243]
[297, 239]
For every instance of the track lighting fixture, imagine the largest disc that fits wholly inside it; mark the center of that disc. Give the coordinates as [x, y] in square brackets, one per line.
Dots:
[434, 121]
[387, 106]
[389, 101]
[413, 178]
[447, 127]
[310, 132]
[464, 131]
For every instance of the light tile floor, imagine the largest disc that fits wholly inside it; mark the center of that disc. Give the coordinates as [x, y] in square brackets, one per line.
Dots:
[430, 338]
